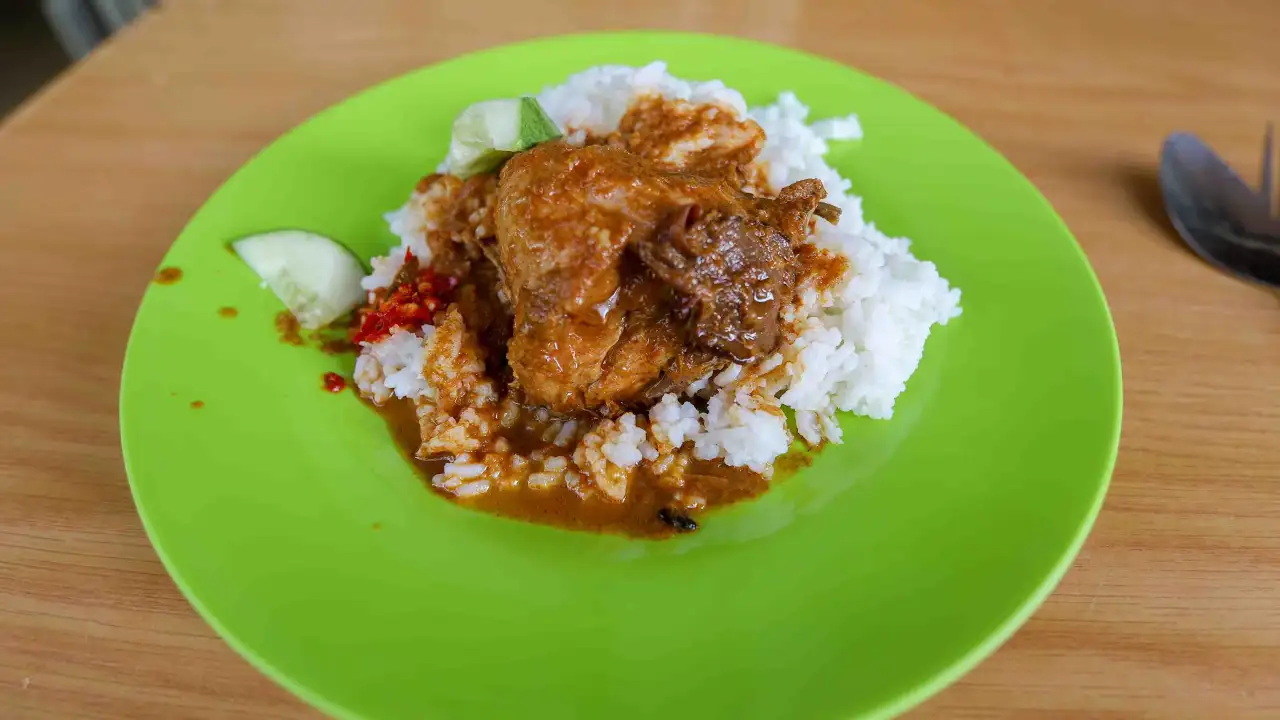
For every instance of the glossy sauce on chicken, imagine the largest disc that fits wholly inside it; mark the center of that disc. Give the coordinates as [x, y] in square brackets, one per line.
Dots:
[605, 252]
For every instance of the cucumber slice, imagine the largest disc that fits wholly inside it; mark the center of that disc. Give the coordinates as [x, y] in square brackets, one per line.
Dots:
[489, 132]
[315, 277]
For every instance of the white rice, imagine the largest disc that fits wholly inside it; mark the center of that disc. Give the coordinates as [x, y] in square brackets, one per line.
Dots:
[671, 422]
[566, 434]
[863, 341]
[544, 480]
[628, 444]
[409, 223]
[479, 487]
[859, 342]
[393, 365]
[464, 470]
[595, 99]
[742, 428]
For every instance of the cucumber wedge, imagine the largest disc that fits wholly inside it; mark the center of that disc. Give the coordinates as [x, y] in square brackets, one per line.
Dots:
[489, 132]
[315, 277]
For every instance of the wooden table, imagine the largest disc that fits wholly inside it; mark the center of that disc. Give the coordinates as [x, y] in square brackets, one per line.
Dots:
[1173, 607]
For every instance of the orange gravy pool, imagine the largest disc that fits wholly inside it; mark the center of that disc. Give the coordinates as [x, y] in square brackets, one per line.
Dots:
[560, 506]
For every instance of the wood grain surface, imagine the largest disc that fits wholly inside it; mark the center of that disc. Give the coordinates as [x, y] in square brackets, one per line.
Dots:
[1173, 608]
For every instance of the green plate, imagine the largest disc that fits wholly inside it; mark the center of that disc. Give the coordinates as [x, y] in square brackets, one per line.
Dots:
[854, 589]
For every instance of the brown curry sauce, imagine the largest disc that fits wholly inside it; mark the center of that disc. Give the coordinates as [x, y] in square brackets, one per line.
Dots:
[168, 275]
[639, 516]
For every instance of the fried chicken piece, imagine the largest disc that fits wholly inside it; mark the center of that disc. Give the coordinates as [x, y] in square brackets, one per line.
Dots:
[567, 220]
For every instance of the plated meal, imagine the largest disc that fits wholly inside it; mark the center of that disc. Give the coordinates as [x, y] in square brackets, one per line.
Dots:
[733, 326]
[615, 305]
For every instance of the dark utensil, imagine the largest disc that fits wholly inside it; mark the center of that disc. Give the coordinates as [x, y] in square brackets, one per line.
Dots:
[1225, 221]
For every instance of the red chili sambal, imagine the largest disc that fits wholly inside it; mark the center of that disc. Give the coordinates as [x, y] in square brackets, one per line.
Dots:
[412, 302]
[334, 383]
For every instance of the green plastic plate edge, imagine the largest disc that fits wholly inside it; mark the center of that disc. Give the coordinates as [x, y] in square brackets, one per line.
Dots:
[903, 702]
